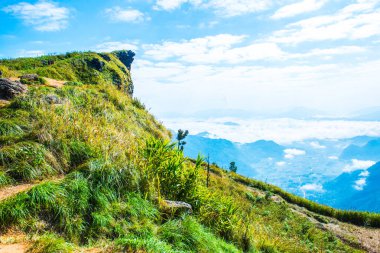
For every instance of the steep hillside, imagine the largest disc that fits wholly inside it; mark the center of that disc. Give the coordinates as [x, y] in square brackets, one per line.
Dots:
[84, 167]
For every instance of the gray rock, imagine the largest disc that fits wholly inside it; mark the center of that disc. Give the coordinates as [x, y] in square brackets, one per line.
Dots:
[30, 77]
[53, 99]
[178, 206]
[9, 89]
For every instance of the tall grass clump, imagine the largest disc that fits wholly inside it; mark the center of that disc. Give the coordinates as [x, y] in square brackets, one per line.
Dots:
[166, 172]
[27, 161]
[188, 235]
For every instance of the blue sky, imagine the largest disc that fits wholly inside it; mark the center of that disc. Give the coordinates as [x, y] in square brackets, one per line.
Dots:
[206, 55]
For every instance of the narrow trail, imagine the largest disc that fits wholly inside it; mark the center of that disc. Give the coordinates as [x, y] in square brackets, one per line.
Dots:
[50, 82]
[14, 248]
[10, 191]
[364, 238]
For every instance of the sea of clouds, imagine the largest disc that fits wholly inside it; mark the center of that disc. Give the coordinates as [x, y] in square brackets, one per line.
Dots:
[282, 130]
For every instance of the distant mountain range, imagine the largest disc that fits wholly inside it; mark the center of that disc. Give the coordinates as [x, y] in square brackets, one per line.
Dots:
[319, 164]
[223, 151]
[369, 151]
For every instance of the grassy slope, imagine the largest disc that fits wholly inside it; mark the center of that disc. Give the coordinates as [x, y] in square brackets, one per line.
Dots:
[118, 166]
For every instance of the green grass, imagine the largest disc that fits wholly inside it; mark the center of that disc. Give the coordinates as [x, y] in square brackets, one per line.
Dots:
[27, 161]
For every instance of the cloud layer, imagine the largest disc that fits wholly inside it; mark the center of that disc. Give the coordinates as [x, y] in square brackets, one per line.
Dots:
[283, 131]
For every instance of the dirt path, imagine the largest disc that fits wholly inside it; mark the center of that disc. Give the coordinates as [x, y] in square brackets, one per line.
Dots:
[13, 248]
[14, 242]
[12, 190]
[9, 191]
[50, 82]
[364, 238]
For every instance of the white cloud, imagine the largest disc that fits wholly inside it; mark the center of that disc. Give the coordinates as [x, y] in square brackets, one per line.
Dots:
[169, 5]
[290, 153]
[46, 16]
[115, 45]
[118, 14]
[360, 183]
[228, 48]
[355, 21]
[30, 53]
[312, 187]
[214, 49]
[316, 145]
[301, 7]
[358, 165]
[333, 157]
[231, 8]
[280, 164]
[223, 8]
[341, 50]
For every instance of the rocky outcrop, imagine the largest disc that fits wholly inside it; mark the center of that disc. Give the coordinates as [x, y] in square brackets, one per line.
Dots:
[9, 89]
[30, 77]
[126, 57]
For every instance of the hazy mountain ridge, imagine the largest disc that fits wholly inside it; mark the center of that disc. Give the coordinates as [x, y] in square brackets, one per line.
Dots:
[322, 166]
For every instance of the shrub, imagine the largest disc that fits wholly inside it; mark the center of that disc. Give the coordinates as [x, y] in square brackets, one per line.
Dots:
[164, 171]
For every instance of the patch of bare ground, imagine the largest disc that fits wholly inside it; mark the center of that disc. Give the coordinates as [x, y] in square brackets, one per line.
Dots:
[13, 79]
[4, 102]
[54, 83]
[10, 191]
[13, 242]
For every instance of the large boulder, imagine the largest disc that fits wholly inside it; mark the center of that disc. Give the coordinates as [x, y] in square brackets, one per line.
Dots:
[9, 89]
